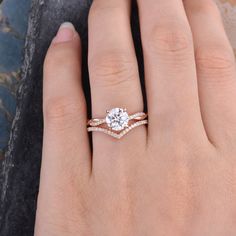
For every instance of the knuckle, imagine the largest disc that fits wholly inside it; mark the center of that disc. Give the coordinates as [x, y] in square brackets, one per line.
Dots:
[203, 6]
[215, 60]
[112, 70]
[97, 7]
[163, 38]
[105, 7]
[63, 112]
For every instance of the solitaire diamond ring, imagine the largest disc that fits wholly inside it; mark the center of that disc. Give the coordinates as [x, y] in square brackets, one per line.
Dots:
[117, 122]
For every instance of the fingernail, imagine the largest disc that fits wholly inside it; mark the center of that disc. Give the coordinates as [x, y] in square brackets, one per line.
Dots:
[65, 33]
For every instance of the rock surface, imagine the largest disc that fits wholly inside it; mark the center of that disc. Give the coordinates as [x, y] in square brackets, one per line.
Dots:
[13, 26]
[19, 175]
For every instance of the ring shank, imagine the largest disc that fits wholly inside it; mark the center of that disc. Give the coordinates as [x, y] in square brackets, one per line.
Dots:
[139, 116]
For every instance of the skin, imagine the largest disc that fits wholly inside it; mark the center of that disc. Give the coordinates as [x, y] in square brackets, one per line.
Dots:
[176, 176]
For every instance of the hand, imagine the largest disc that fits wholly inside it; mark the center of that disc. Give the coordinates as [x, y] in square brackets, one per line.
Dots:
[176, 176]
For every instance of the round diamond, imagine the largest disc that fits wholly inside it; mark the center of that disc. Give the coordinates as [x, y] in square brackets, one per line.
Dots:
[117, 119]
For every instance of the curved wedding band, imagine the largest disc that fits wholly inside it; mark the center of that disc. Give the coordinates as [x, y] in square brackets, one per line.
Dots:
[117, 123]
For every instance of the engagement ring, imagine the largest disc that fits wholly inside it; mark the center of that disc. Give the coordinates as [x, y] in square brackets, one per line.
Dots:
[117, 122]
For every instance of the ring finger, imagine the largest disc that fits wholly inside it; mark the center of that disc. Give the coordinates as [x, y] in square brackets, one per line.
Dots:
[113, 69]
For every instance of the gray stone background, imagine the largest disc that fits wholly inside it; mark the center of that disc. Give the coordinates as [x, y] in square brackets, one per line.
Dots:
[13, 26]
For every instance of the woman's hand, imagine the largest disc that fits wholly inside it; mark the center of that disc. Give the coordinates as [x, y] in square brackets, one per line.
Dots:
[177, 176]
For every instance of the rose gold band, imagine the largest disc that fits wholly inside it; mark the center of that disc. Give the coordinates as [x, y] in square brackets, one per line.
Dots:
[117, 123]
[115, 134]
[136, 117]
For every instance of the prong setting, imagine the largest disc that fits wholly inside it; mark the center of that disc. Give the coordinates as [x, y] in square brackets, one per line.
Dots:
[117, 119]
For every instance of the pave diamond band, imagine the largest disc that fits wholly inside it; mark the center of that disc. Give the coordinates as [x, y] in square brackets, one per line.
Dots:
[117, 122]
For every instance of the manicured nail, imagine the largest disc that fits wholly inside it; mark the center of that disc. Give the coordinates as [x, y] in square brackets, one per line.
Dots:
[65, 33]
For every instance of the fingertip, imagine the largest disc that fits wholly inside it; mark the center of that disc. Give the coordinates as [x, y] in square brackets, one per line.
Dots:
[63, 60]
[66, 44]
[66, 33]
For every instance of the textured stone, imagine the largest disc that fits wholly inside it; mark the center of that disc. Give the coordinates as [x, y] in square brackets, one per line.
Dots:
[13, 25]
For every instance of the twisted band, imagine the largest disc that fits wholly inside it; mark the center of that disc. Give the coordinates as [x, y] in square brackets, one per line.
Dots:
[117, 123]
